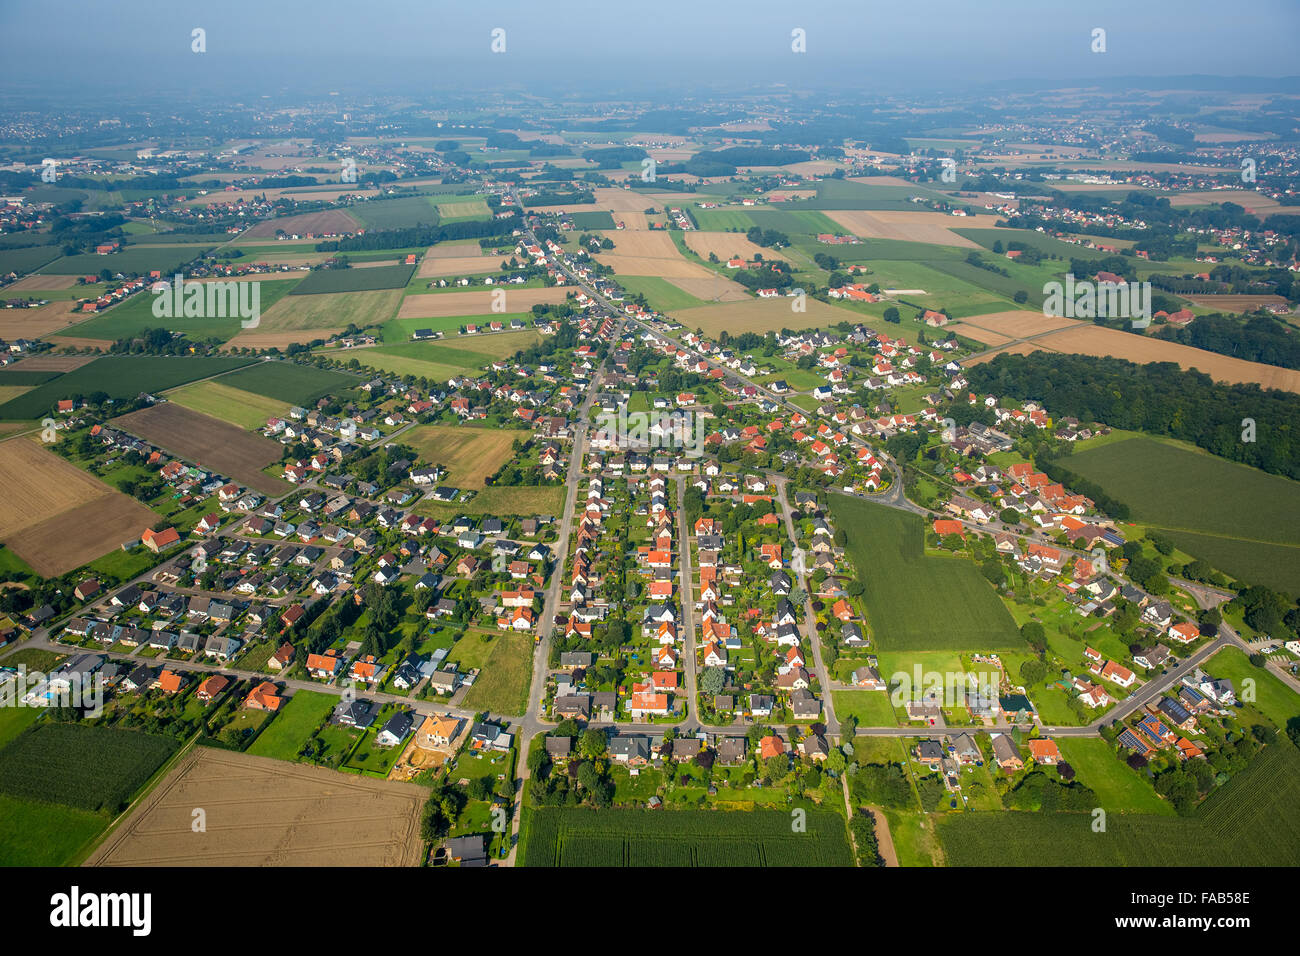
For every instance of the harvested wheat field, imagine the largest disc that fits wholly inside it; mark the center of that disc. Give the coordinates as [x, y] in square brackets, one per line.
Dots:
[57, 517]
[463, 209]
[715, 289]
[39, 322]
[53, 362]
[1019, 348]
[1020, 323]
[329, 310]
[265, 812]
[1096, 340]
[650, 253]
[647, 245]
[209, 443]
[932, 227]
[726, 245]
[468, 454]
[315, 223]
[1253, 202]
[478, 302]
[436, 268]
[761, 316]
[977, 334]
[1236, 303]
[632, 220]
[41, 283]
[620, 200]
[453, 250]
[307, 193]
[272, 339]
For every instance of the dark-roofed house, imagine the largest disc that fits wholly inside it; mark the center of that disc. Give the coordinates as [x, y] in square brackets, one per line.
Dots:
[732, 750]
[468, 850]
[630, 749]
[395, 730]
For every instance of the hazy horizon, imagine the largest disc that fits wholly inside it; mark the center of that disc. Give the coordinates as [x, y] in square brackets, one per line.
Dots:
[114, 48]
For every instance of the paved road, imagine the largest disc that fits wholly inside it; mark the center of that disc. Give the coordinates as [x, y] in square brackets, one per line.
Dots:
[810, 618]
[686, 588]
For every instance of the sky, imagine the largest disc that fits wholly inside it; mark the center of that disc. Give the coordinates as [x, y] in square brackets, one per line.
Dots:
[104, 48]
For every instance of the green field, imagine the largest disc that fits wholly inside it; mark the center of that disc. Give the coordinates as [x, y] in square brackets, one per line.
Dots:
[14, 720]
[130, 261]
[229, 404]
[43, 834]
[1253, 820]
[916, 601]
[660, 293]
[20, 376]
[443, 359]
[680, 838]
[1119, 787]
[287, 382]
[847, 194]
[502, 685]
[1274, 699]
[135, 315]
[592, 220]
[522, 500]
[1251, 532]
[294, 725]
[80, 765]
[120, 377]
[371, 279]
[871, 708]
[28, 259]
[403, 213]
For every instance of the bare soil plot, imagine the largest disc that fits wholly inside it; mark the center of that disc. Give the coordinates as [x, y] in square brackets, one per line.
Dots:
[1088, 339]
[726, 245]
[930, 227]
[313, 223]
[761, 316]
[41, 283]
[209, 442]
[57, 517]
[715, 289]
[265, 812]
[460, 266]
[468, 454]
[477, 302]
[1020, 323]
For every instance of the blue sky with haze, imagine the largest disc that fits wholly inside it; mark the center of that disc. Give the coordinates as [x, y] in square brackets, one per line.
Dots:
[400, 46]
